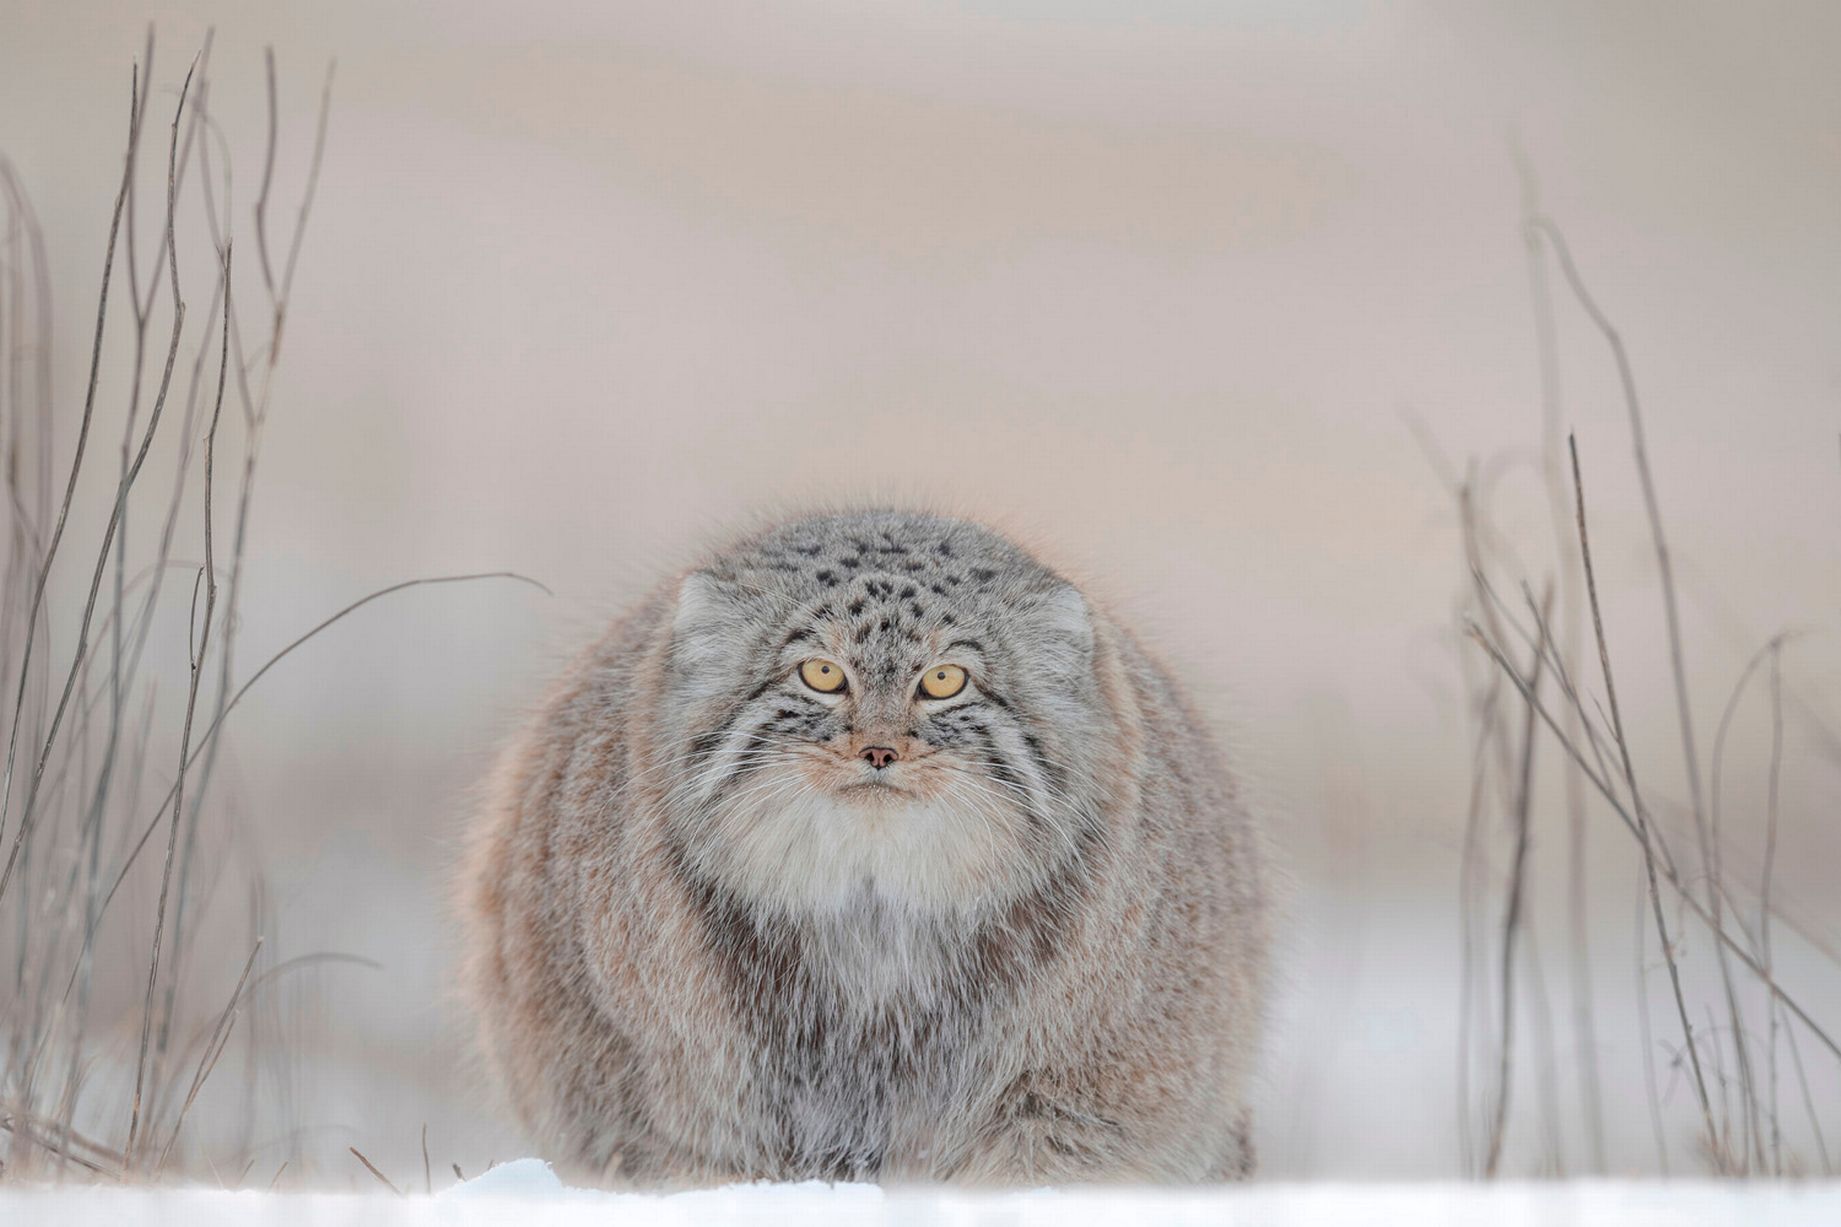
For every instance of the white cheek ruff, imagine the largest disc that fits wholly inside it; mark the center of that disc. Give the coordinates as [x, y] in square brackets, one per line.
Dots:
[784, 842]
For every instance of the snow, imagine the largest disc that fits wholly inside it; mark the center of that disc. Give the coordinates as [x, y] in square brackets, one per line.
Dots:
[526, 1178]
[528, 1194]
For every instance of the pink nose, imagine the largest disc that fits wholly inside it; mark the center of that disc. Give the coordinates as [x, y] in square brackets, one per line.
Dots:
[879, 756]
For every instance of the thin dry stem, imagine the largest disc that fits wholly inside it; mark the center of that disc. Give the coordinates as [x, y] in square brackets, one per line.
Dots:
[1642, 819]
[1512, 922]
[49, 556]
[217, 724]
[207, 1061]
[372, 1168]
[1687, 899]
[191, 706]
[1585, 1029]
[1677, 666]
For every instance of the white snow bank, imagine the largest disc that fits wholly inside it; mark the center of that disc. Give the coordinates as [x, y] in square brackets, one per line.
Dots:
[527, 1194]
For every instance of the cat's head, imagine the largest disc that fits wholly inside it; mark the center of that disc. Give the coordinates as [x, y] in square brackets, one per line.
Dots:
[887, 704]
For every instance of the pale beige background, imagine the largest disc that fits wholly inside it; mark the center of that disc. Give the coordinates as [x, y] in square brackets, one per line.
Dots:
[1154, 284]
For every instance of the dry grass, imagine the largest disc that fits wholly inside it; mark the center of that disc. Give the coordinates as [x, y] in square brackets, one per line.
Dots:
[1729, 1033]
[97, 1080]
[86, 724]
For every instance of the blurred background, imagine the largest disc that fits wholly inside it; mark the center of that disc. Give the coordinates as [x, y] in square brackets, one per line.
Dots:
[1214, 304]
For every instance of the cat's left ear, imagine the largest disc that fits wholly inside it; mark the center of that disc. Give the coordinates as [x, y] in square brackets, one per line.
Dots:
[1064, 621]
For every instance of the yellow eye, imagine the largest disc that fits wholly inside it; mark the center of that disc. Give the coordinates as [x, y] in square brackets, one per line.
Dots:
[942, 681]
[824, 676]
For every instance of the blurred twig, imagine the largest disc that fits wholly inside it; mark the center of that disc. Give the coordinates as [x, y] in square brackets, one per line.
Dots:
[1568, 647]
[1512, 917]
[372, 1168]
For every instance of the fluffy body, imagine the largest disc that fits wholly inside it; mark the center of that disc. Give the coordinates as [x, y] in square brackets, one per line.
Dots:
[707, 941]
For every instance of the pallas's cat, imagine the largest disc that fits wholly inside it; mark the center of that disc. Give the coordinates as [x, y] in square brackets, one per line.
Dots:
[870, 848]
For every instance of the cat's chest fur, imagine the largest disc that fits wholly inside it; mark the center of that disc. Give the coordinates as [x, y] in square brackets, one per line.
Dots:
[864, 1022]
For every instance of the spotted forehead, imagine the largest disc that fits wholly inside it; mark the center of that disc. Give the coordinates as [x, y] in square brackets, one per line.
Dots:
[909, 564]
[887, 597]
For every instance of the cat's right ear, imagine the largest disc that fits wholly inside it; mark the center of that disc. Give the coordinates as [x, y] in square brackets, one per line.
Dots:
[702, 627]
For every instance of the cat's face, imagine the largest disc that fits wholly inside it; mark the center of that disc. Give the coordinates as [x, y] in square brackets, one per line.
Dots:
[901, 708]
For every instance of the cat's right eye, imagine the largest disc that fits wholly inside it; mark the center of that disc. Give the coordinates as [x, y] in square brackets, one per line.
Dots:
[824, 676]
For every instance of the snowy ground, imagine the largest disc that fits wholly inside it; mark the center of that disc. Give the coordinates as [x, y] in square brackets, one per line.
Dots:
[526, 1192]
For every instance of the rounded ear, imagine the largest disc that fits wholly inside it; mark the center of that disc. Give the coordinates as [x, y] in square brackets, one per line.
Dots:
[1063, 618]
[702, 624]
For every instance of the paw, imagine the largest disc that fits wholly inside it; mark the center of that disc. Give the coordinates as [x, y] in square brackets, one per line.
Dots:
[1037, 1137]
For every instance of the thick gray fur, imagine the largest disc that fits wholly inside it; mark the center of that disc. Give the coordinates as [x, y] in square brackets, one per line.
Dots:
[706, 944]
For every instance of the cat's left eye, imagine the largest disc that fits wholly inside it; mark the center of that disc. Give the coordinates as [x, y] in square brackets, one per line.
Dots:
[942, 682]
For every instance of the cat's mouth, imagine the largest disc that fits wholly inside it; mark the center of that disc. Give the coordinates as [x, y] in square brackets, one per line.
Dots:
[878, 785]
